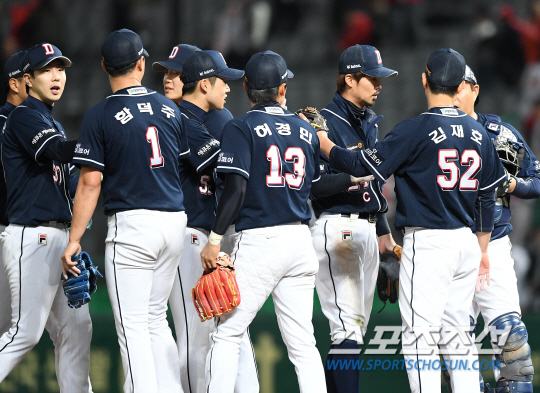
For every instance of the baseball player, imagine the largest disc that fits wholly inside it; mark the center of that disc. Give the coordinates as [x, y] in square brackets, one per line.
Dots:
[135, 137]
[446, 170]
[499, 303]
[205, 118]
[269, 158]
[36, 202]
[351, 226]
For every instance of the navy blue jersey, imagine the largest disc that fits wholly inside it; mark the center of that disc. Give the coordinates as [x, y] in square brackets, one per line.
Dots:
[353, 133]
[4, 113]
[136, 137]
[528, 177]
[215, 121]
[196, 172]
[37, 187]
[279, 155]
[442, 161]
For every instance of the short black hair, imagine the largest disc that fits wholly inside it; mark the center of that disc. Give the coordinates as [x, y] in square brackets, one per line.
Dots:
[266, 95]
[340, 80]
[189, 87]
[120, 71]
[436, 89]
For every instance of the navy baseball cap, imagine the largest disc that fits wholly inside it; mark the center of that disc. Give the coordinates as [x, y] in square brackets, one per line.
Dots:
[177, 58]
[207, 63]
[365, 59]
[122, 47]
[266, 70]
[40, 55]
[445, 67]
[14, 66]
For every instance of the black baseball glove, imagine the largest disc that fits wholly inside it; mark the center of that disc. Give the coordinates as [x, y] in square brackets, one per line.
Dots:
[388, 278]
[78, 289]
[317, 121]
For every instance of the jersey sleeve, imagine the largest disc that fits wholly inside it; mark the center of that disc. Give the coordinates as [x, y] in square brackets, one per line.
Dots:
[381, 161]
[185, 152]
[493, 173]
[235, 155]
[33, 131]
[203, 146]
[90, 149]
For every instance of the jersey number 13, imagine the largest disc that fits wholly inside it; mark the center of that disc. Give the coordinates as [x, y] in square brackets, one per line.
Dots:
[292, 154]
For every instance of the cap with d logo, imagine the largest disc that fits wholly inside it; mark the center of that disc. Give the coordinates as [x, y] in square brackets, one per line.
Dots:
[40, 55]
[177, 58]
[365, 59]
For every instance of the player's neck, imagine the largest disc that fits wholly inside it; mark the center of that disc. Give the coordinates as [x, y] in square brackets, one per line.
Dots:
[14, 99]
[122, 82]
[434, 100]
[198, 100]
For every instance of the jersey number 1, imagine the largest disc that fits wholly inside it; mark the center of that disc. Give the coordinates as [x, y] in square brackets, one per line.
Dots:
[447, 164]
[156, 160]
[292, 154]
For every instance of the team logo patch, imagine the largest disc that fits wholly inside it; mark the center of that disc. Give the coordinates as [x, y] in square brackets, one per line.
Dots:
[206, 148]
[42, 239]
[195, 240]
[137, 90]
[225, 158]
[274, 109]
[346, 235]
[493, 126]
[448, 111]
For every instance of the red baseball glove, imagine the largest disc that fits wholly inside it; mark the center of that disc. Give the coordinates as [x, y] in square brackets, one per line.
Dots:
[216, 292]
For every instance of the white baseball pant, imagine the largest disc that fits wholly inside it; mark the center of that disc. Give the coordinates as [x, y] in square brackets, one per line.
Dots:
[142, 251]
[348, 252]
[281, 261]
[436, 286]
[501, 296]
[31, 278]
[192, 335]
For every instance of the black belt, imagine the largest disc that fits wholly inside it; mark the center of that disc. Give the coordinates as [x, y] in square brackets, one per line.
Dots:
[55, 224]
[371, 217]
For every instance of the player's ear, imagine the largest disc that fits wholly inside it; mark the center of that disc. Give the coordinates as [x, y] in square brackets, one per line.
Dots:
[204, 85]
[245, 86]
[424, 80]
[103, 66]
[27, 80]
[461, 86]
[13, 87]
[282, 89]
[349, 80]
[476, 90]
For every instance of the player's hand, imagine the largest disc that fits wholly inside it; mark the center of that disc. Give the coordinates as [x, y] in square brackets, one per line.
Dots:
[363, 179]
[483, 273]
[326, 144]
[209, 256]
[68, 266]
[513, 183]
[386, 243]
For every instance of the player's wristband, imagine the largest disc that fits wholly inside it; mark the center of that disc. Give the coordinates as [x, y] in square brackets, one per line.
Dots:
[214, 239]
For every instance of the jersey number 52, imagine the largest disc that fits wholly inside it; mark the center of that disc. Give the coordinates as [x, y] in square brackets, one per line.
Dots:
[447, 158]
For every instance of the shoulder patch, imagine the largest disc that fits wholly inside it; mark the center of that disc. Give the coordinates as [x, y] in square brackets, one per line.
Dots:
[137, 90]
[493, 126]
[274, 109]
[355, 146]
[226, 158]
[449, 111]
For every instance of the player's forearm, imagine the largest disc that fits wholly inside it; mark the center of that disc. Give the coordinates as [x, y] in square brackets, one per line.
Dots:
[382, 226]
[527, 188]
[348, 161]
[85, 203]
[230, 202]
[483, 241]
[331, 184]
